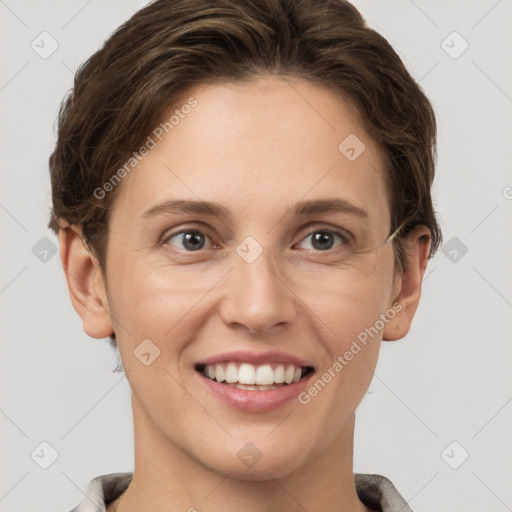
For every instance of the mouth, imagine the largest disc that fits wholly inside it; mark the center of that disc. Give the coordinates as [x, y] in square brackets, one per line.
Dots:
[252, 377]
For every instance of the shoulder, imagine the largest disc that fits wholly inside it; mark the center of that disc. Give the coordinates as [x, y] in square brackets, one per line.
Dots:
[102, 490]
[379, 493]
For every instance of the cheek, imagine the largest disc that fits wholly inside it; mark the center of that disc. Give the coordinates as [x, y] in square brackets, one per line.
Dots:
[356, 339]
[156, 301]
[356, 316]
[350, 310]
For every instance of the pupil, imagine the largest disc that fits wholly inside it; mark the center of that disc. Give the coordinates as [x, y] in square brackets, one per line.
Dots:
[322, 236]
[193, 241]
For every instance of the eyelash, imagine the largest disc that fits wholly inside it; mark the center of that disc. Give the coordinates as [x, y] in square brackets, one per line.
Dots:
[345, 238]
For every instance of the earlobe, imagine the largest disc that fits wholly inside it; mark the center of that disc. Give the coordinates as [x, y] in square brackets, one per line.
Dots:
[85, 283]
[417, 249]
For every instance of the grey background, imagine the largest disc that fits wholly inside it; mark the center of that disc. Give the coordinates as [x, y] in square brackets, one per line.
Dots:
[448, 380]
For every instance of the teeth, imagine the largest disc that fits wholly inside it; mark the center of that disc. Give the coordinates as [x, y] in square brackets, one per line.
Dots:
[265, 375]
[218, 374]
[252, 388]
[231, 373]
[288, 374]
[248, 376]
[279, 374]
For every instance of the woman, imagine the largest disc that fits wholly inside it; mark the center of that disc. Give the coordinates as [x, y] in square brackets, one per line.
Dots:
[206, 153]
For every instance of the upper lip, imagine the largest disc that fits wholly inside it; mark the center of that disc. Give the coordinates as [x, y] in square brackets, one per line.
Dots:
[256, 358]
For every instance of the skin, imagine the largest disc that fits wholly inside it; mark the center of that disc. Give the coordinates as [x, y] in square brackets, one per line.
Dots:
[257, 148]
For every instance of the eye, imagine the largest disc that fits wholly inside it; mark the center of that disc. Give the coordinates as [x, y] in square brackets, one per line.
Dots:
[191, 239]
[323, 239]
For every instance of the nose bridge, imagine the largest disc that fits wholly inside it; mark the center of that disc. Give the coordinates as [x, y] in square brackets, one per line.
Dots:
[257, 295]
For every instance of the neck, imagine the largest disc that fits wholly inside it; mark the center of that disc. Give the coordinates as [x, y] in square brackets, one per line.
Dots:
[167, 479]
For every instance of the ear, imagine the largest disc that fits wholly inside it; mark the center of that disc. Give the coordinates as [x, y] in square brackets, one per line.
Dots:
[416, 254]
[85, 282]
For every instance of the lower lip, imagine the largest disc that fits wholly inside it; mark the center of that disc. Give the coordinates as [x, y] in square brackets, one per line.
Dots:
[255, 401]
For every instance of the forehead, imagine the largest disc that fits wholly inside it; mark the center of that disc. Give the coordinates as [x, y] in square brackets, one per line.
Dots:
[271, 142]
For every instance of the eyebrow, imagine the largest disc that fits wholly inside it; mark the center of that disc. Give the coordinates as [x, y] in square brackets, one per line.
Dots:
[304, 208]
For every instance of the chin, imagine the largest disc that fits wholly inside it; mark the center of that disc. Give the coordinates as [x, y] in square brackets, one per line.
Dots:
[251, 464]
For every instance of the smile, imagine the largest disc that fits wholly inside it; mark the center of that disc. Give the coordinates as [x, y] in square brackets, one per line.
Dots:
[246, 376]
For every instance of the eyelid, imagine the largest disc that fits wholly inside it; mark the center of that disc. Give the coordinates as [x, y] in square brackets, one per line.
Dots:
[171, 233]
[341, 234]
[323, 226]
[306, 231]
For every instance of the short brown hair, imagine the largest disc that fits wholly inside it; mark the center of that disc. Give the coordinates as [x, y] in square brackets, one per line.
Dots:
[121, 92]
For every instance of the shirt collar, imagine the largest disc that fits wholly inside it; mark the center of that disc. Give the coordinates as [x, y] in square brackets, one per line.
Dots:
[374, 491]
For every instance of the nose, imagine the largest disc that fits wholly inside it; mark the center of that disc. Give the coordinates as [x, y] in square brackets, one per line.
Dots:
[257, 295]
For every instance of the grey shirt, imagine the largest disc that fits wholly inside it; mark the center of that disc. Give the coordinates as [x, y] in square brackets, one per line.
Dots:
[375, 491]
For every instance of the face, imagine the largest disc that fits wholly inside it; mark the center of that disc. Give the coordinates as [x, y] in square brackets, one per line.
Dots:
[251, 289]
